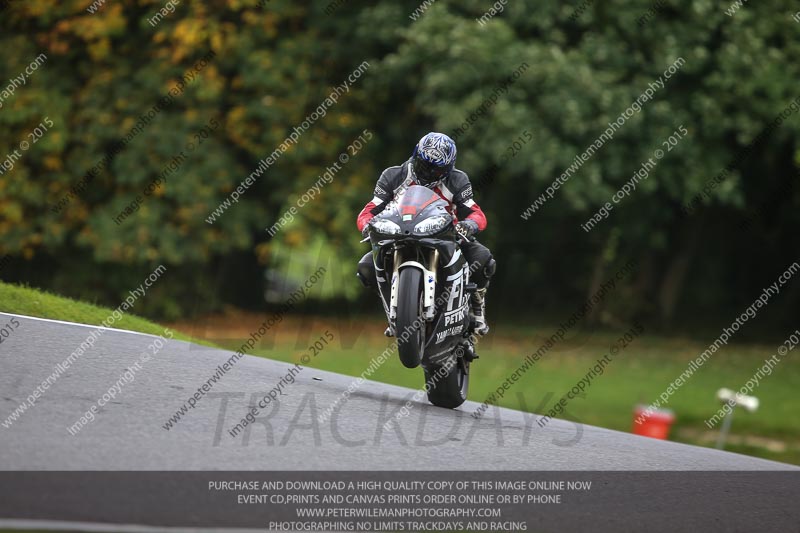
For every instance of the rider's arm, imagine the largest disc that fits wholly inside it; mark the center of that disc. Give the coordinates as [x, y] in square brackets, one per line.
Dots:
[466, 206]
[382, 195]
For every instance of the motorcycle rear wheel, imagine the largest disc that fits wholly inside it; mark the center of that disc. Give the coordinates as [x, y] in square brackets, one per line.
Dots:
[410, 330]
[448, 390]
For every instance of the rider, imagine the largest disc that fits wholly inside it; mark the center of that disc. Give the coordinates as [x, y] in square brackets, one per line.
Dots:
[432, 165]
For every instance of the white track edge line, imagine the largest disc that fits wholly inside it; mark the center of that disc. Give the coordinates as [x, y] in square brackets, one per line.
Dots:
[77, 324]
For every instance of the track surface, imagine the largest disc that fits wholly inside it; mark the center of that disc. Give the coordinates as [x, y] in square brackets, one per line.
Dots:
[128, 434]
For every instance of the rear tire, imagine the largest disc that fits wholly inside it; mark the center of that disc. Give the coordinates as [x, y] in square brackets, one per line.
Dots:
[410, 327]
[448, 391]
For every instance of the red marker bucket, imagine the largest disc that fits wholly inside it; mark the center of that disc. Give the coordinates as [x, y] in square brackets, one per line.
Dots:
[655, 423]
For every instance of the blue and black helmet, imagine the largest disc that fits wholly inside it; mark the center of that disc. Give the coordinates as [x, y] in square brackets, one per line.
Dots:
[433, 159]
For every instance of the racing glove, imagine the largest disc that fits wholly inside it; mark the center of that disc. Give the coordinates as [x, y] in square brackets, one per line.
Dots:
[467, 228]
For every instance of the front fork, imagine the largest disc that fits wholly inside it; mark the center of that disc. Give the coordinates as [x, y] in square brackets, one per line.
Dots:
[428, 282]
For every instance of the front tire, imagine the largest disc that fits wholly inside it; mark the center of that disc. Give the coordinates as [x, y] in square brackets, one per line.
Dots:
[410, 330]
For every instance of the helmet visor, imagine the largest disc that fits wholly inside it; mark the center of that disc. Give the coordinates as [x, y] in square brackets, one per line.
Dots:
[427, 172]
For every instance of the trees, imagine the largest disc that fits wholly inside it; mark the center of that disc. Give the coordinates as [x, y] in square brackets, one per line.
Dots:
[273, 65]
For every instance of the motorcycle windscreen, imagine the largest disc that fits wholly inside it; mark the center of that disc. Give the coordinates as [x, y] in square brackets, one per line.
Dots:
[414, 200]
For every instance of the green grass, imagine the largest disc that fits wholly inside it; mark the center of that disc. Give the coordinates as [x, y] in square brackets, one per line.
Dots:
[41, 304]
[636, 375]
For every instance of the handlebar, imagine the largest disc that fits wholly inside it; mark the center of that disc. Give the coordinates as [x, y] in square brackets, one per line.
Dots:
[461, 237]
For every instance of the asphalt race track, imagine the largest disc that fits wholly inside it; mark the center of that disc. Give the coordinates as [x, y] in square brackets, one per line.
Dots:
[128, 432]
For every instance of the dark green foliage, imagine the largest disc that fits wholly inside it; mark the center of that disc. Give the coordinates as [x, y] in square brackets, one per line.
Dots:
[275, 64]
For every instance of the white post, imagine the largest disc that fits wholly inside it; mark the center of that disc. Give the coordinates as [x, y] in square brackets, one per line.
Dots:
[734, 399]
[724, 430]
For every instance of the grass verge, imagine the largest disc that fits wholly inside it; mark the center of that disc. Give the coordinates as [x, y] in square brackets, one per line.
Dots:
[37, 303]
[638, 374]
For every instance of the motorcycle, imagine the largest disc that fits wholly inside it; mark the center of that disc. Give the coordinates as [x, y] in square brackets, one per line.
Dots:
[423, 281]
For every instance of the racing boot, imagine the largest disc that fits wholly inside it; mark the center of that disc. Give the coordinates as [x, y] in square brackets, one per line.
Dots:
[478, 311]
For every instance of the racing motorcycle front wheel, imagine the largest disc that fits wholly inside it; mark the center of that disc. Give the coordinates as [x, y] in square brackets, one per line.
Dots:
[410, 326]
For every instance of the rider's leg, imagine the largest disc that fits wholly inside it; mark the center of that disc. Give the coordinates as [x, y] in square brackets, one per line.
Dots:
[366, 272]
[482, 267]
